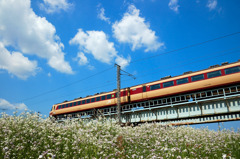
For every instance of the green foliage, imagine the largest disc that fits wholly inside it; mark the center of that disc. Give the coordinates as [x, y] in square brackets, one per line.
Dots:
[30, 136]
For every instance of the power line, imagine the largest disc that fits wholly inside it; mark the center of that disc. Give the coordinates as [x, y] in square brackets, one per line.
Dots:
[112, 83]
[59, 88]
[232, 52]
[84, 90]
[223, 51]
[202, 60]
[189, 46]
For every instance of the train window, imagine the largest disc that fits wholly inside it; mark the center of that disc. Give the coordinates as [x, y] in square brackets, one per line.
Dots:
[232, 70]
[88, 101]
[83, 101]
[103, 97]
[70, 104]
[214, 74]
[79, 102]
[98, 99]
[109, 96]
[93, 100]
[197, 77]
[75, 103]
[144, 88]
[182, 81]
[168, 84]
[156, 86]
[66, 105]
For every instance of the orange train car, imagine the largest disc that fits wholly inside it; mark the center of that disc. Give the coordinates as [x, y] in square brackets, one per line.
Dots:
[204, 79]
[90, 102]
[213, 77]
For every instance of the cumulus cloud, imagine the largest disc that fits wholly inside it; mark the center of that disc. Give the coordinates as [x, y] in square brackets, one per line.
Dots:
[16, 64]
[53, 6]
[5, 105]
[134, 30]
[30, 34]
[95, 43]
[101, 15]
[173, 5]
[212, 4]
[122, 61]
[82, 59]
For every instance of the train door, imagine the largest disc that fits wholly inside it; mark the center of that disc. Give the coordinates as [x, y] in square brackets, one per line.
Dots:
[144, 91]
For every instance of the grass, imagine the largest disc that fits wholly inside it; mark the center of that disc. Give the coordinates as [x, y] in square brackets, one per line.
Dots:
[30, 136]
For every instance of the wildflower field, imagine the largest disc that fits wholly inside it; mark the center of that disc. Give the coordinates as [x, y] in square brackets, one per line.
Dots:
[30, 136]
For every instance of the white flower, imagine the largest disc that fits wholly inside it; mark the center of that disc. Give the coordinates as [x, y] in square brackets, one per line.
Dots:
[5, 148]
[224, 156]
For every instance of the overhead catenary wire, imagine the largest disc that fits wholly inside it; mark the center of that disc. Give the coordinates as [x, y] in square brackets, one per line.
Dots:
[222, 51]
[186, 47]
[144, 75]
[70, 94]
[67, 85]
[138, 77]
[168, 52]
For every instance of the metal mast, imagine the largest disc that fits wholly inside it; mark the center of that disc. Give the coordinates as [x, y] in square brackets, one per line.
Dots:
[118, 90]
[118, 94]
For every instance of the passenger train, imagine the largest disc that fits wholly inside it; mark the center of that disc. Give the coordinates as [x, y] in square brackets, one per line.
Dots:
[213, 77]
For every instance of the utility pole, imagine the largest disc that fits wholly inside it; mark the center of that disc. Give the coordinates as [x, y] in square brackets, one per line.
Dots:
[118, 94]
[118, 90]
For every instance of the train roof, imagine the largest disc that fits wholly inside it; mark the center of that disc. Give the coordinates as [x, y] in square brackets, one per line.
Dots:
[190, 73]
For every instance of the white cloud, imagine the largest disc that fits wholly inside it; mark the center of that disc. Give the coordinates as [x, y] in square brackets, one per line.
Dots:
[16, 64]
[122, 61]
[95, 43]
[82, 59]
[173, 5]
[212, 4]
[5, 105]
[53, 6]
[101, 15]
[134, 30]
[30, 34]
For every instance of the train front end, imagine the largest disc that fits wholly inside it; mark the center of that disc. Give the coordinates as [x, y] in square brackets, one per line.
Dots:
[52, 112]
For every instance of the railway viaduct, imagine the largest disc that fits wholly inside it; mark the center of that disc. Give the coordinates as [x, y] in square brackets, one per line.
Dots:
[215, 105]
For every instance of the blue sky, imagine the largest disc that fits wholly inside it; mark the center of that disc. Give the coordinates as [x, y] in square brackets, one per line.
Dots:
[49, 48]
